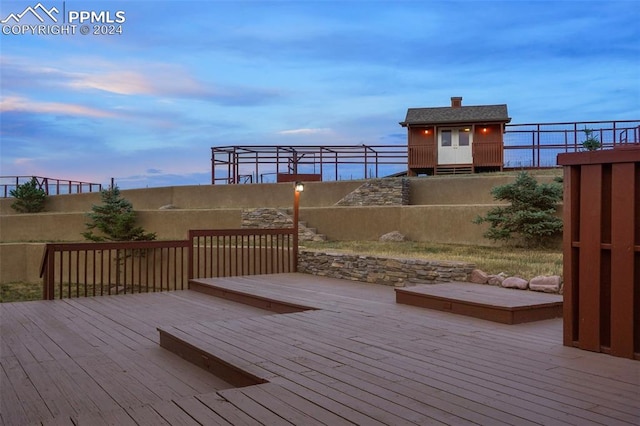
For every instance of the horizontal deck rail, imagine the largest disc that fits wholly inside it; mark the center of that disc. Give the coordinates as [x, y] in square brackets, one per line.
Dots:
[104, 268]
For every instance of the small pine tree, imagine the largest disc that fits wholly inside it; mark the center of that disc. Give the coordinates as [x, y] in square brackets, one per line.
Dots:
[531, 217]
[29, 197]
[115, 220]
[591, 142]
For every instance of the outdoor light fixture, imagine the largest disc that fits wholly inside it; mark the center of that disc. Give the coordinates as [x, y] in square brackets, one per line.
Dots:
[484, 130]
[299, 187]
[426, 132]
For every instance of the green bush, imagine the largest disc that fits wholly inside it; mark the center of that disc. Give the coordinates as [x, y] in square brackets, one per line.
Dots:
[115, 219]
[530, 219]
[30, 198]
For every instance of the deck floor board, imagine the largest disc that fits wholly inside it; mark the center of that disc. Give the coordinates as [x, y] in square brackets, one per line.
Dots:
[356, 358]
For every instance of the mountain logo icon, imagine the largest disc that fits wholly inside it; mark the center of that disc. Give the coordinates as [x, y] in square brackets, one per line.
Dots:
[38, 11]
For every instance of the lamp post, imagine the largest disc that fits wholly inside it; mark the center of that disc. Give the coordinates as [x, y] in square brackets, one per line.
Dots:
[298, 188]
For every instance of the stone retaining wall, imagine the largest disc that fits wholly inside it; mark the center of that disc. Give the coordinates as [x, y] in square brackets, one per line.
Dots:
[266, 218]
[379, 192]
[397, 272]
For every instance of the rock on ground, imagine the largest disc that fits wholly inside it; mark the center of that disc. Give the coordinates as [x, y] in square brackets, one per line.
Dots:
[515, 282]
[547, 284]
[495, 279]
[394, 236]
[478, 277]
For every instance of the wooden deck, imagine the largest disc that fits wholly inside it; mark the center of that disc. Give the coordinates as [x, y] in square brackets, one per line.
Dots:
[482, 301]
[356, 358]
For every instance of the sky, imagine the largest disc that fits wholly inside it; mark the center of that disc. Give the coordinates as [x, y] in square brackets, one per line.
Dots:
[145, 104]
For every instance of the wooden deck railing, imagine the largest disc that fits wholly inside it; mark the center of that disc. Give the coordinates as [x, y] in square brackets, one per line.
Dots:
[96, 269]
[488, 154]
[422, 156]
[234, 252]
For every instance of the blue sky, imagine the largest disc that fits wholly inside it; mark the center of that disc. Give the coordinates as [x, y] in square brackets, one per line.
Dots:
[145, 106]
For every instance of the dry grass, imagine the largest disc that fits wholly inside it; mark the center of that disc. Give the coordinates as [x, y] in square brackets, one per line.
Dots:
[526, 263]
[20, 292]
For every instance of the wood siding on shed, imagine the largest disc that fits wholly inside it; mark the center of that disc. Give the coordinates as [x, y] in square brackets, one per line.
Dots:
[422, 148]
[488, 149]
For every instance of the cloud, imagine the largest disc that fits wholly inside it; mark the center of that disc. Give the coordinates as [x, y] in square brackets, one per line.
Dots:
[15, 103]
[137, 78]
[166, 81]
[119, 82]
[304, 131]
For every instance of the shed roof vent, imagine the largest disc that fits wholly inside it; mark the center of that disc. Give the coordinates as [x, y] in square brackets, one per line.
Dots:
[456, 101]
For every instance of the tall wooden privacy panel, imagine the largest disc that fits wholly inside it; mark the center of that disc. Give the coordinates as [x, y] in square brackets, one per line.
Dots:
[602, 250]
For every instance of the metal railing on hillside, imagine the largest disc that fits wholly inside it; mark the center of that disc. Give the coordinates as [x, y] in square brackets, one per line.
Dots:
[538, 145]
[106, 268]
[525, 146]
[49, 185]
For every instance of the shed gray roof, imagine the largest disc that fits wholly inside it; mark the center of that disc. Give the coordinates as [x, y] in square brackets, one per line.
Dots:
[463, 114]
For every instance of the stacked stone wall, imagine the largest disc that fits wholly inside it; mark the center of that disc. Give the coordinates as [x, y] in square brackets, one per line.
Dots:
[397, 272]
[264, 218]
[379, 192]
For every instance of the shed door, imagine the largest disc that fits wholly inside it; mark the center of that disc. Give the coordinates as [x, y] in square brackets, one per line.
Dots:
[454, 145]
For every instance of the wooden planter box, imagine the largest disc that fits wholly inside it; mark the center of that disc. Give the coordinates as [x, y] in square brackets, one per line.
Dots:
[602, 250]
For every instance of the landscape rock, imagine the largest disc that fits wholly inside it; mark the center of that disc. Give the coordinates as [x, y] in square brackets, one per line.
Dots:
[495, 279]
[547, 284]
[515, 282]
[478, 277]
[394, 236]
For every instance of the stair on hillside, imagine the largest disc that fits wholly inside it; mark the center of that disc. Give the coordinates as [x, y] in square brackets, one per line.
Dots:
[309, 234]
[305, 232]
[455, 169]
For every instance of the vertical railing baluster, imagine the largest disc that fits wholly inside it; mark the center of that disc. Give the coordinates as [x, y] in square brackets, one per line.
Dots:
[254, 254]
[217, 256]
[235, 273]
[85, 272]
[68, 273]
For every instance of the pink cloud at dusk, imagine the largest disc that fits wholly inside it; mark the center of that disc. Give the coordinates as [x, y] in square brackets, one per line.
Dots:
[19, 104]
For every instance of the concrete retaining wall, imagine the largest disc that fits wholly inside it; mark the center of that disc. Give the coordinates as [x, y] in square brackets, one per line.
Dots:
[465, 189]
[278, 195]
[20, 262]
[443, 224]
[167, 224]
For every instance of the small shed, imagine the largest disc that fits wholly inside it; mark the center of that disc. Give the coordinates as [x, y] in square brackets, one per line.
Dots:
[455, 139]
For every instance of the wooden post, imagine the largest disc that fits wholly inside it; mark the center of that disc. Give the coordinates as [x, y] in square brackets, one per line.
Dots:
[601, 248]
[623, 229]
[296, 219]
